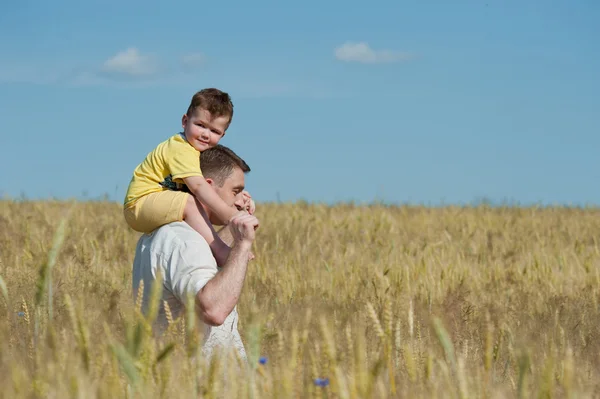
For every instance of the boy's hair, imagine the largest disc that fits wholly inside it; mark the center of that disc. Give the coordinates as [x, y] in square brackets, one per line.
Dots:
[215, 101]
[218, 162]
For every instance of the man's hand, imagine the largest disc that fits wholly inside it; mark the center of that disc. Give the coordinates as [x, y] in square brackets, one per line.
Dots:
[238, 213]
[242, 228]
[220, 295]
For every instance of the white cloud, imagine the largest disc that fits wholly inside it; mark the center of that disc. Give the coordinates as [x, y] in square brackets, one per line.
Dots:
[131, 63]
[362, 52]
[132, 68]
[193, 61]
[28, 73]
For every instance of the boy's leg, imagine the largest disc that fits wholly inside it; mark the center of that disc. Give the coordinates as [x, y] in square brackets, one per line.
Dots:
[194, 215]
[155, 210]
[164, 207]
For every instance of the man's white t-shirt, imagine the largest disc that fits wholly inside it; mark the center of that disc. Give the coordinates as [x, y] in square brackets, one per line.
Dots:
[186, 263]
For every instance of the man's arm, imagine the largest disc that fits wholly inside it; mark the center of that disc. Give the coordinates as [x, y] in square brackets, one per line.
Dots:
[218, 297]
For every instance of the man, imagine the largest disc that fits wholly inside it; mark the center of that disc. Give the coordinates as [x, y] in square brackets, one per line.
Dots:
[187, 265]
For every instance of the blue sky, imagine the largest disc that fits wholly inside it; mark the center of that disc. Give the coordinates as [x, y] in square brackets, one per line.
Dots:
[402, 101]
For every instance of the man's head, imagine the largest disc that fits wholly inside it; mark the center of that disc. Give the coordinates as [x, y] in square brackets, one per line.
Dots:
[225, 171]
[207, 118]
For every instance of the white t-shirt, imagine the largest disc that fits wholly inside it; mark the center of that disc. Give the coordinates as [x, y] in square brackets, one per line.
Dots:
[187, 264]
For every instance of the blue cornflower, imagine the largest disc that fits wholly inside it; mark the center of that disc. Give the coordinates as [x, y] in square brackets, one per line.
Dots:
[21, 314]
[262, 360]
[322, 382]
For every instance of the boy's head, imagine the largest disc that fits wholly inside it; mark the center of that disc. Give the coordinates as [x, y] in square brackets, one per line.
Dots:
[207, 118]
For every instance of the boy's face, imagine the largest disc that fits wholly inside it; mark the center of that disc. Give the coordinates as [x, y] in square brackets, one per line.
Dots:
[203, 131]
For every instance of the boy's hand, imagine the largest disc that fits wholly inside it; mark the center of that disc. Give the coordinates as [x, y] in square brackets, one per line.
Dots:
[249, 204]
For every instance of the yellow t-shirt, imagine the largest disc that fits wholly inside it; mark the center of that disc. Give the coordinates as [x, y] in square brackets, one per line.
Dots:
[164, 168]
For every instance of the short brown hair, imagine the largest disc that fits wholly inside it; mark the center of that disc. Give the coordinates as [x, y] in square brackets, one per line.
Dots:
[218, 162]
[215, 101]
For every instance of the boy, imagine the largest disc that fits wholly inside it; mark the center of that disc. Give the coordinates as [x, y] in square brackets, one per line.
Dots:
[154, 196]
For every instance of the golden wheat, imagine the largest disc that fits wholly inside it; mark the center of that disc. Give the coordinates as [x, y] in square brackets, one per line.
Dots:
[342, 302]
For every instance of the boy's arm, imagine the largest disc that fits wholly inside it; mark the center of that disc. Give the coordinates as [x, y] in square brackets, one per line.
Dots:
[200, 188]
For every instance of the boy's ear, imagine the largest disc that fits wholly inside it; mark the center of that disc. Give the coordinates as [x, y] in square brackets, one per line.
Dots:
[209, 180]
[184, 120]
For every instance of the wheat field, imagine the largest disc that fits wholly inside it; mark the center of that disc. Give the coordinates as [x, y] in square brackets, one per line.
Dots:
[344, 301]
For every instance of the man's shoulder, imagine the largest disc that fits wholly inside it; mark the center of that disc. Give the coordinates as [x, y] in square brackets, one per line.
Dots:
[180, 231]
[172, 236]
[177, 238]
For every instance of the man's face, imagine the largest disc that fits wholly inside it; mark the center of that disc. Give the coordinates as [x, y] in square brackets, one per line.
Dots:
[203, 131]
[230, 192]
